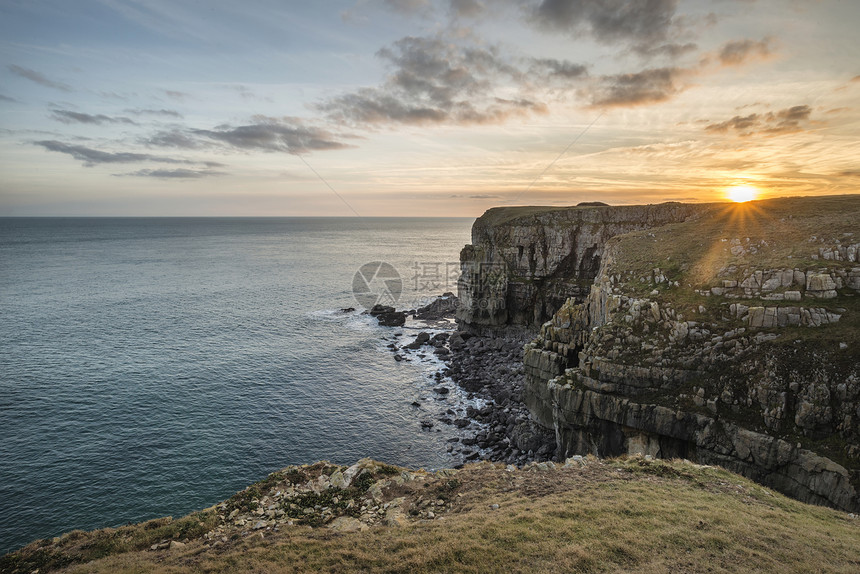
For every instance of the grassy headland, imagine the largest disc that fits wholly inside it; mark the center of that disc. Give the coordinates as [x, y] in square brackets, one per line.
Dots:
[623, 515]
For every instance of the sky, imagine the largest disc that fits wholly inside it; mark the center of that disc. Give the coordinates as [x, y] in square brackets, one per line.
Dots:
[420, 107]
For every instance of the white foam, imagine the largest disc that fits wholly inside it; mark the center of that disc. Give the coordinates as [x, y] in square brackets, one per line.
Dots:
[355, 319]
[433, 405]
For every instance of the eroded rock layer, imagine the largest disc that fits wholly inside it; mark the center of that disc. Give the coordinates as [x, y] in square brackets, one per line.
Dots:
[525, 262]
[730, 338]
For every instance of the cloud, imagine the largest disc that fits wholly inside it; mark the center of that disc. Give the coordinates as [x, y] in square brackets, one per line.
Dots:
[737, 52]
[671, 50]
[274, 135]
[559, 68]
[177, 137]
[644, 24]
[408, 6]
[466, 8]
[649, 86]
[785, 121]
[70, 117]
[434, 80]
[174, 95]
[290, 135]
[114, 96]
[162, 112]
[850, 173]
[474, 196]
[7, 99]
[654, 85]
[92, 157]
[440, 80]
[179, 173]
[38, 78]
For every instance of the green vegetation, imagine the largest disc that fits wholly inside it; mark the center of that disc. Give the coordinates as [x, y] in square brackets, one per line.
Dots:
[627, 514]
[79, 547]
[499, 215]
[785, 232]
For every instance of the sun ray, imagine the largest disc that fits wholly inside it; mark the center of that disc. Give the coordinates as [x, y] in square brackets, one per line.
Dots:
[741, 220]
[742, 193]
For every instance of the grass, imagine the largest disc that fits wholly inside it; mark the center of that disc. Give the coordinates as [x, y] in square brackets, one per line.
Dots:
[624, 515]
[781, 229]
[500, 215]
[78, 546]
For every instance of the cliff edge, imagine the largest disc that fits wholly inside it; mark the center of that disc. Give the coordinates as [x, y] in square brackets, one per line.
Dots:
[632, 514]
[723, 333]
[525, 262]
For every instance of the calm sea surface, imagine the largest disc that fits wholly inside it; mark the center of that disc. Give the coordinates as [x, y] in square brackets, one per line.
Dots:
[153, 367]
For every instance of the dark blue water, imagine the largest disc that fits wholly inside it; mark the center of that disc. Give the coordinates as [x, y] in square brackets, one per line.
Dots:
[153, 367]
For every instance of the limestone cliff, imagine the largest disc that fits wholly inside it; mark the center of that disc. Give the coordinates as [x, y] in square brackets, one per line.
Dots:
[728, 336]
[525, 262]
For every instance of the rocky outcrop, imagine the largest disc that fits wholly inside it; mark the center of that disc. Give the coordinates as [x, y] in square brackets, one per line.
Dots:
[388, 316]
[684, 345]
[524, 263]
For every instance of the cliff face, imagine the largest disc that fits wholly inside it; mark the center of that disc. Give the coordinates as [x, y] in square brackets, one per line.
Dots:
[524, 263]
[730, 338]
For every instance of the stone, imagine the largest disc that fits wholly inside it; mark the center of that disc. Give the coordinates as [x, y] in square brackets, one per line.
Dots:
[756, 317]
[177, 545]
[347, 524]
[339, 480]
[818, 283]
[375, 490]
[576, 461]
[442, 307]
[394, 515]
[422, 339]
[379, 309]
[388, 316]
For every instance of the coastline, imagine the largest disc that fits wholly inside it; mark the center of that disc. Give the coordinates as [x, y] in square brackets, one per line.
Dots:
[488, 370]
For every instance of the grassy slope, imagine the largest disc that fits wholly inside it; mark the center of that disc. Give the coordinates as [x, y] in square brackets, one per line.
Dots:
[624, 515]
[787, 233]
[787, 225]
[500, 215]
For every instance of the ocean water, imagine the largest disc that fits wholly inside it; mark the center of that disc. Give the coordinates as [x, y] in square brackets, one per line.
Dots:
[155, 366]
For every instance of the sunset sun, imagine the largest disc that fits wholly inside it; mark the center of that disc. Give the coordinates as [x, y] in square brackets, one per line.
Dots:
[742, 193]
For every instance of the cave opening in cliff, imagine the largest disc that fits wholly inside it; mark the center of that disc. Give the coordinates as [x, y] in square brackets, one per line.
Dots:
[590, 264]
[573, 356]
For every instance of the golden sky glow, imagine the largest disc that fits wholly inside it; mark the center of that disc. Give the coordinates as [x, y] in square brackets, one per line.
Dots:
[742, 193]
[420, 107]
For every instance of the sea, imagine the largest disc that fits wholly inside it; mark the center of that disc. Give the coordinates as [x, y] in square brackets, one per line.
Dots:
[155, 366]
